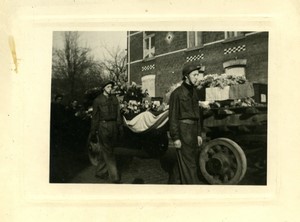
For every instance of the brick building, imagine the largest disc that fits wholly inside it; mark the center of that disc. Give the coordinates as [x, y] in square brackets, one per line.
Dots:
[155, 59]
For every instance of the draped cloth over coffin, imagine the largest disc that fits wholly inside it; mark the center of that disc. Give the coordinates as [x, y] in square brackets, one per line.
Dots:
[147, 121]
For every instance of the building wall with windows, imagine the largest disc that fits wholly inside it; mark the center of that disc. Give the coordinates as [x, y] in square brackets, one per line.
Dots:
[136, 48]
[163, 54]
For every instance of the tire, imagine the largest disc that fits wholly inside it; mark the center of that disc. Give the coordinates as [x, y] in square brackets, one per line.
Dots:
[222, 161]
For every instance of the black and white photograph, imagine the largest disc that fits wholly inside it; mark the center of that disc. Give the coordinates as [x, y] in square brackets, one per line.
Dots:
[159, 107]
[146, 110]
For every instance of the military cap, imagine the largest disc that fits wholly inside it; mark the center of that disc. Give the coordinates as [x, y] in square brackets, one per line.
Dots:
[188, 68]
[106, 82]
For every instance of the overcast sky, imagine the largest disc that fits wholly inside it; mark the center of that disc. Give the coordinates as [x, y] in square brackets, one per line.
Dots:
[96, 41]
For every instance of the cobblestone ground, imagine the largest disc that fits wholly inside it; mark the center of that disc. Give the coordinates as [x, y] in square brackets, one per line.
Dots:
[69, 163]
[74, 167]
[136, 170]
[149, 171]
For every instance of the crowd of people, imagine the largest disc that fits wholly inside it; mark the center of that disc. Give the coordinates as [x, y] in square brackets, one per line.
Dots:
[69, 128]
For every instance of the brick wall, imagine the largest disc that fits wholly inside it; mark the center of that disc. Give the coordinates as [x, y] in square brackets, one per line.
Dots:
[257, 58]
[256, 54]
[136, 73]
[168, 71]
[162, 45]
[168, 68]
[212, 36]
[136, 47]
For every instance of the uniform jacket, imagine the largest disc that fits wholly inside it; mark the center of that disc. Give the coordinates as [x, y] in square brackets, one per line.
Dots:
[105, 109]
[183, 105]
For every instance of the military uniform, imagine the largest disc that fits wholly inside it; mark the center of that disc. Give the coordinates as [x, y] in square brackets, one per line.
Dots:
[106, 120]
[185, 125]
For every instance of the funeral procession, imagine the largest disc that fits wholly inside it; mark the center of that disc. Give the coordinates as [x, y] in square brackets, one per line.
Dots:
[159, 107]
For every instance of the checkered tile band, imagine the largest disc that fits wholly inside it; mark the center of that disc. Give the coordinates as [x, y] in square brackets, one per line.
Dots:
[235, 49]
[149, 67]
[194, 57]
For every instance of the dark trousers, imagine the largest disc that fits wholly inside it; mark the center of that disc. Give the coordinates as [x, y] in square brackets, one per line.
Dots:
[108, 132]
[187, 158]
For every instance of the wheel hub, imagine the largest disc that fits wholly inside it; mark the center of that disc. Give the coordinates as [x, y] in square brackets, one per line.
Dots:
[218, 164]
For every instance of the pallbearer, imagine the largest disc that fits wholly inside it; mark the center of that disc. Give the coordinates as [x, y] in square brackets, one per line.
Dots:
[105, 125]
[185, 129]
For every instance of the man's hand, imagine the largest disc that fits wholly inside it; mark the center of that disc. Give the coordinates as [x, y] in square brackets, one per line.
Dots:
[177, 144]
[199, 140]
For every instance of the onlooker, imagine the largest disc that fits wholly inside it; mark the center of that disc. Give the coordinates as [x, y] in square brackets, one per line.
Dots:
[72, 109]
[58, 119]
[57, 132]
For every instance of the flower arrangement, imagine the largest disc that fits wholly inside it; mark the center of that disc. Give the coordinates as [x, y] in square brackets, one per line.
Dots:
[131, 92]
[217, 80]
[133, 101]
[132, 108]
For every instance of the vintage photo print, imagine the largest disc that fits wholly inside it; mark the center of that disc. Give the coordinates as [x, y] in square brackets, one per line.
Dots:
[137, 110]
[159, 107]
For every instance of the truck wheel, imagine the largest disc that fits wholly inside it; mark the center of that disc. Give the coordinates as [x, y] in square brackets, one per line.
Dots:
[222, 161]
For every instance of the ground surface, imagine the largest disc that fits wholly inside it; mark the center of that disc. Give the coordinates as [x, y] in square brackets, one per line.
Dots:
[75, 168]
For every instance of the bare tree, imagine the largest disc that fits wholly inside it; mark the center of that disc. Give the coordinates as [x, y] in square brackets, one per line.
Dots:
[115, 62]
[75, 65]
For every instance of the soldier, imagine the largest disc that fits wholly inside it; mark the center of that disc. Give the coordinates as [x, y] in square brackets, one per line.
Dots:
[106, 120]
[185, 129]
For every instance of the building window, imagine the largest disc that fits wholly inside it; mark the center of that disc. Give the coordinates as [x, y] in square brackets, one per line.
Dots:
[149, 45]
[235, 67]
[235, 71]
[148, 83]
[194, 39]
